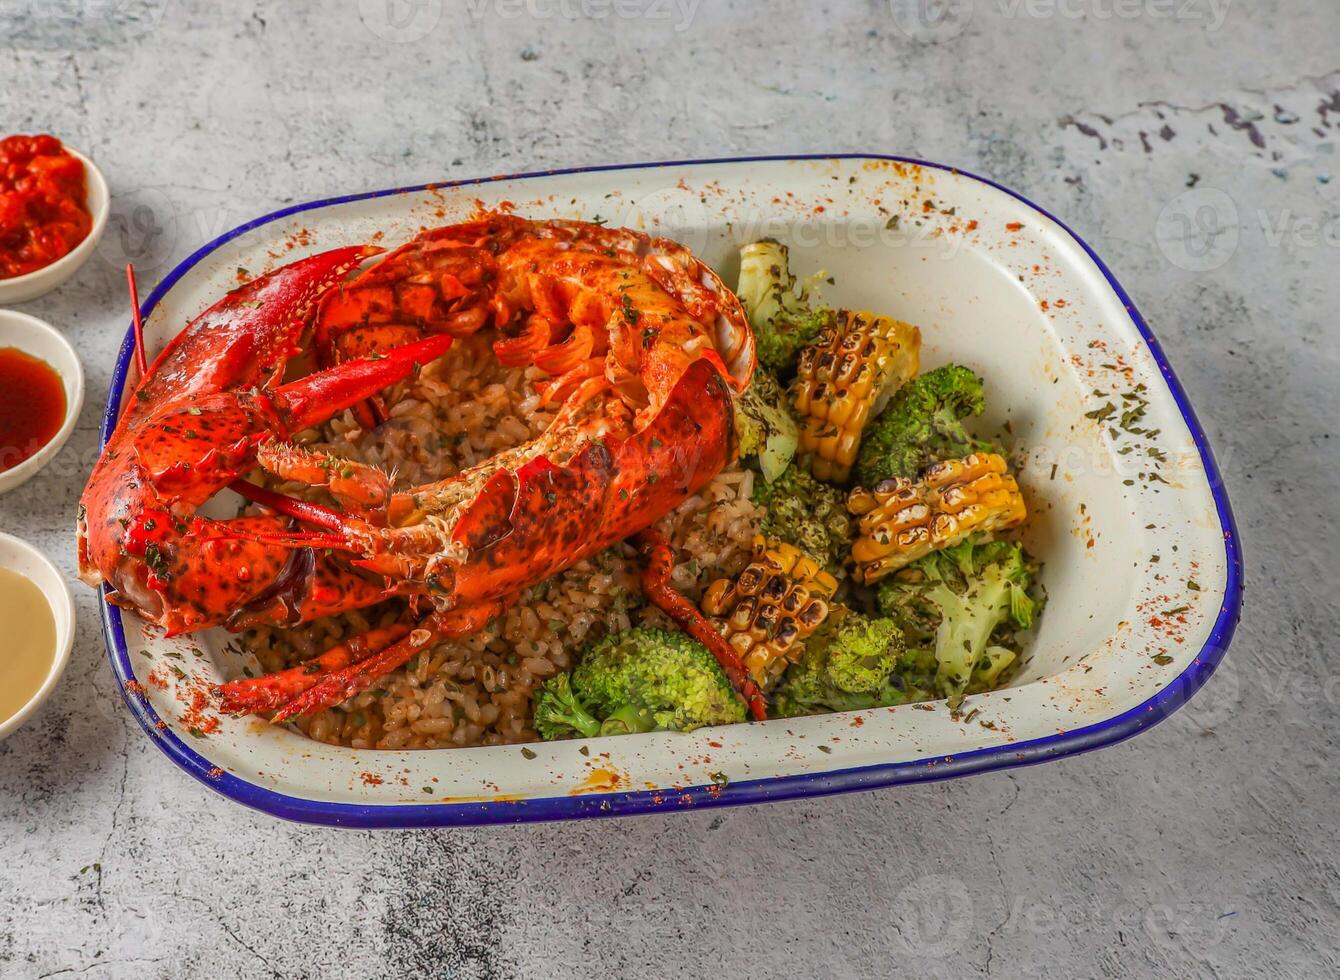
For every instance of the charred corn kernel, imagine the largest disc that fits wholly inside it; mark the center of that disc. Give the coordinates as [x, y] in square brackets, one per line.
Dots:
[902, 520]
[843, 379]
[779, 599]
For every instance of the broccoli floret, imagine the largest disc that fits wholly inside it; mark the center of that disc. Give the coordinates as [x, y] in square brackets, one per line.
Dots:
[779, 309]
[964, 603]
[651, 679]
[764, 425]
[849, 663]
[807, 513]
[923, 424]
[559, 714]
[863, 653]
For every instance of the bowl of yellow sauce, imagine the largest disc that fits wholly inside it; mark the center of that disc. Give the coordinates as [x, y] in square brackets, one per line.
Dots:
[37, 626]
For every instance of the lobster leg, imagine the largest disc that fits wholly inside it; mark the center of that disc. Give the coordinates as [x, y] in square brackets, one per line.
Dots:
[365, 342]
[336, 685]
[249, 695]
[355, 485]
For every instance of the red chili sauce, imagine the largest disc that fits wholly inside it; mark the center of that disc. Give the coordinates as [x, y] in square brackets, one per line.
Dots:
[43, 214]
[32, 406]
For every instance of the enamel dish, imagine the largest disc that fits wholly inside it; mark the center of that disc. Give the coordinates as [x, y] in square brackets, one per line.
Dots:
[1128, 511]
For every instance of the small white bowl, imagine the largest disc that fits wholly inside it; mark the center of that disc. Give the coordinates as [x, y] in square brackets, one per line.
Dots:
[40, 339]
[20, 289]
[19, 556]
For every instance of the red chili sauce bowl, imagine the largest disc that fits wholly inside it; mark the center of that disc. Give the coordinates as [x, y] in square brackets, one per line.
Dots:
[43, 204]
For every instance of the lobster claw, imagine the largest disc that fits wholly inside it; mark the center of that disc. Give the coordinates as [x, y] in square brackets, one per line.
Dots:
[245, 339]
[310, 586]
[489, 518]
[138, 532]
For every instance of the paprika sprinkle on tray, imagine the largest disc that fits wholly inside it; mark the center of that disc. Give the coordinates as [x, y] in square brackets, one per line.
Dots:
[43, 204]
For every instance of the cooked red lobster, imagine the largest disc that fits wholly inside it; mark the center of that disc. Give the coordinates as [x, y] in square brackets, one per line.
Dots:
[639, 348]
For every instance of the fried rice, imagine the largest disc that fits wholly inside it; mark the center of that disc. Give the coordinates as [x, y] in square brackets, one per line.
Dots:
[462, 410]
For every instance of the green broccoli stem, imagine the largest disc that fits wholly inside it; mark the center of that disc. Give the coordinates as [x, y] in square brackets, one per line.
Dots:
[580, 719]
[628, 720]
[559, 712]
[957, 600]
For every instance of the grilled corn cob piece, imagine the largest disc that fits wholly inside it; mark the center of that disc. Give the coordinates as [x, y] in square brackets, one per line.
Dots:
[844, 379]
[778, 600]
[902, 520]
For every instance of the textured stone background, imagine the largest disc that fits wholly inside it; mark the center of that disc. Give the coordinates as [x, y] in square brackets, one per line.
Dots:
[1192, 142]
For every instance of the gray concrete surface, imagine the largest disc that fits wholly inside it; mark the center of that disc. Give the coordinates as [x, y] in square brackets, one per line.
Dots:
[1204, 848]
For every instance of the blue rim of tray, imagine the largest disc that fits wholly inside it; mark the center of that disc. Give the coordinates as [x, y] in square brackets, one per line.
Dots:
[1031, 752]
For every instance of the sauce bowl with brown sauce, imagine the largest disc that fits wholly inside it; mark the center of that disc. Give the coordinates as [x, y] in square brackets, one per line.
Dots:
[41, 394]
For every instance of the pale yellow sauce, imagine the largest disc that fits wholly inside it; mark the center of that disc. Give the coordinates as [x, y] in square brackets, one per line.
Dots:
[27, 642]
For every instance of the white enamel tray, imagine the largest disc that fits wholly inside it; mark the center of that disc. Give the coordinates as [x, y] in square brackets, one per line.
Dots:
[1143, 568]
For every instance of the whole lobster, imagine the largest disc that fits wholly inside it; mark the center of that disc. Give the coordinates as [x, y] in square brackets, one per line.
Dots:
[639, 348]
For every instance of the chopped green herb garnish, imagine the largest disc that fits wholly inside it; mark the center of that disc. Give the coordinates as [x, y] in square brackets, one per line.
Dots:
[630, 313]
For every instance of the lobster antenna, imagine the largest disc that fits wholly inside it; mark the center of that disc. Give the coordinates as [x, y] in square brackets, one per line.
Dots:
[141, 361]
[288, 506]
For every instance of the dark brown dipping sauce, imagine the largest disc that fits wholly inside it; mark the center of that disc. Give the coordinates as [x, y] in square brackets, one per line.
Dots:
[32, 406]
